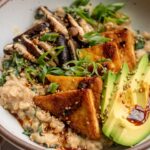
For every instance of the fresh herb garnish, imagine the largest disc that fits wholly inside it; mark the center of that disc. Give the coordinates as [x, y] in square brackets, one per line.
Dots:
[102, 60]
[105, 13]
[56, 71]
[78, 3]
[83, 67]
[15, 64]
[77, 67]
[58, 50]
[42, 74]
[2, 79]
[52, 88]
[100, 14]
[28, 131]
[94, 38]
[114, 7]
[39, 130]
[86, 16]
[38, 15]
[77, 9]
[140, 42]
[51, 37]
[36, 74]
[41, 60]
[83, 13]
[31, 73]
[39, 71]
[119, 21]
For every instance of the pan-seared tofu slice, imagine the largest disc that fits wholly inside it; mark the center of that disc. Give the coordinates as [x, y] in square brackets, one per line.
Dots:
[72, 83]
[119, 50]
[108, 50]
[95, 84]
[124, 39]
[65, 82]
[76, 108]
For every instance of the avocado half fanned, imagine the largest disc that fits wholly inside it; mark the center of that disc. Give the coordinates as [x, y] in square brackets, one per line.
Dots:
[125, 104]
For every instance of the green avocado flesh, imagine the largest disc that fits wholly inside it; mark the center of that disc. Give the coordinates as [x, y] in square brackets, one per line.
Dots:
[107, 90]
[126, 103]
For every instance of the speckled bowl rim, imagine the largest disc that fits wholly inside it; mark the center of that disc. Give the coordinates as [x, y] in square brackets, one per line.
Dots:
[27, 146]
[17, 142]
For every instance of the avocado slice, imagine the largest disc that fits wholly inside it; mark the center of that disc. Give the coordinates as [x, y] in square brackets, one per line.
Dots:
[147, 75]
[139, 74]
[107, 91]
[117, 125]
[143, 92]
[120, 81]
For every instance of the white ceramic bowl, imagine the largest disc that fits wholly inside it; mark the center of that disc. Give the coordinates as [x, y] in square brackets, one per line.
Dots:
[16, 16]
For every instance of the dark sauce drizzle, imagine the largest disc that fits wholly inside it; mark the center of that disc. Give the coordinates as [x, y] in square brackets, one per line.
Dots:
[139, 115]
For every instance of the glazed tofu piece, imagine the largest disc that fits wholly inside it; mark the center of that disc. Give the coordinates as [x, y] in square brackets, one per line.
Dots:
[124, 39]
[67, 83]
[108, 50]
[120, 49]
[76, 108]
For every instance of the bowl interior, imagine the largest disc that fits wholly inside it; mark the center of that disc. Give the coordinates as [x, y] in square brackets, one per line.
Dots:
[18, 15]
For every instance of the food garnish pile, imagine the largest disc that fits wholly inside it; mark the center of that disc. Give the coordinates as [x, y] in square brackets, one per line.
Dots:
[79, 78]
